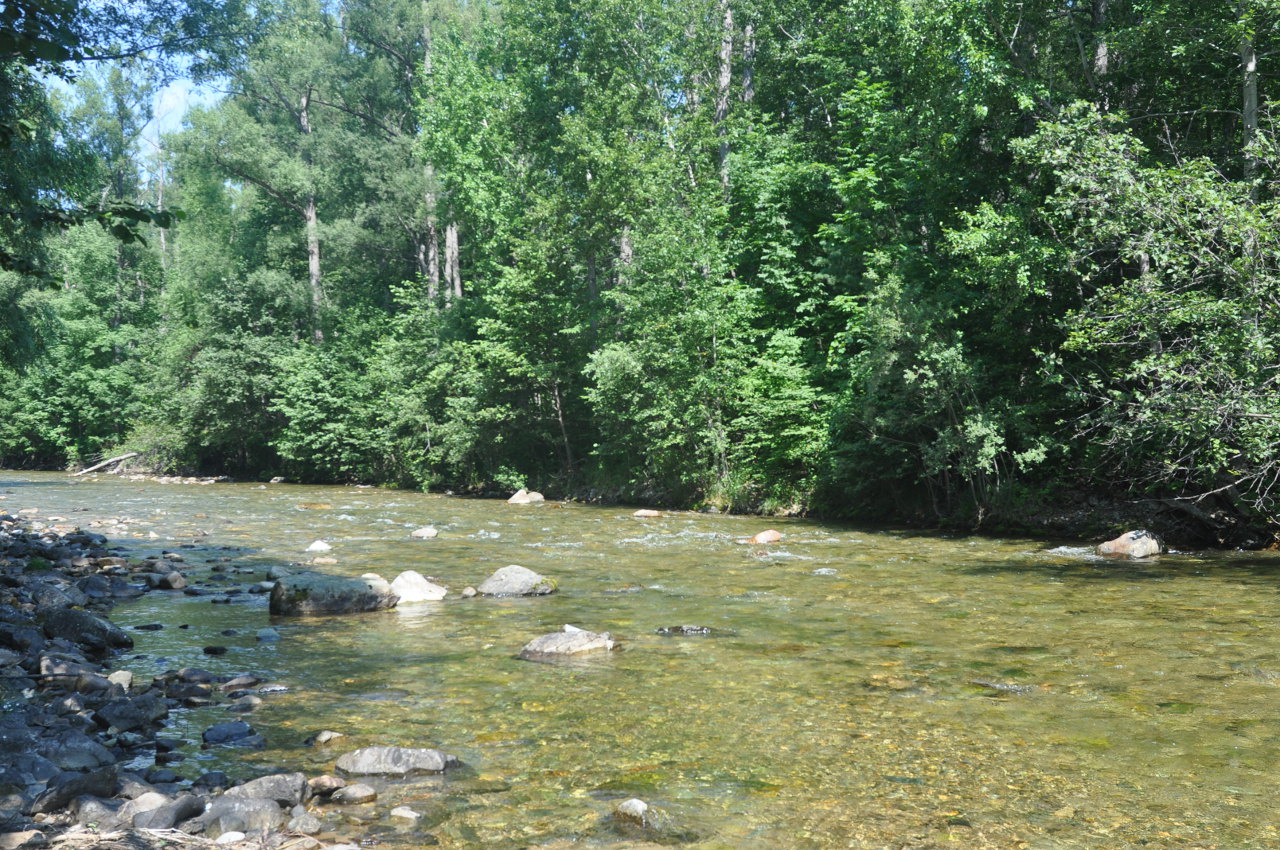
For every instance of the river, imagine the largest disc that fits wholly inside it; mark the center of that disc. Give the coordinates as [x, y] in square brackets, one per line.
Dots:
[862, 688]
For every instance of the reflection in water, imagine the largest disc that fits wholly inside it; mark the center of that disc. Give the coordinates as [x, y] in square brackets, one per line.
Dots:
[856, 688]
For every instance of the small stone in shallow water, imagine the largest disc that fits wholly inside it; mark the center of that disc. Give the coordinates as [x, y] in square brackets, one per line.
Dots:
[358, 793]
[404, 812]
[685, 630]
[633, 811]
[768, 536]
[268, 635]
[319, 546]
[424, 533]
[824, 571]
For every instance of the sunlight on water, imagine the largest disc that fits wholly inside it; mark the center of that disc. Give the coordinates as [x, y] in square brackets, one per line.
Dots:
[858, 688]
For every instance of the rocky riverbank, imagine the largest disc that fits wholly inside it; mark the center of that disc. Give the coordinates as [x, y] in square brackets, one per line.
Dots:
[84, 758]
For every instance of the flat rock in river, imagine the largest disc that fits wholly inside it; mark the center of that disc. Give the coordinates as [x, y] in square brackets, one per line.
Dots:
[395, 761]
[312, 593]
[571, 641]
[514, 580]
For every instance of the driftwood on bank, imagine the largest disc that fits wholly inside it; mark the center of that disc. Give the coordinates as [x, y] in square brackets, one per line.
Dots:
[108, 462]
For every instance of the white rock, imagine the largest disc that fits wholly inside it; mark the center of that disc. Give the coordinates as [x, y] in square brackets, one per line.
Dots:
[404, 812]
[425, 533]
[230, 838]
[525, 497]
[319, 546]
[412, 586]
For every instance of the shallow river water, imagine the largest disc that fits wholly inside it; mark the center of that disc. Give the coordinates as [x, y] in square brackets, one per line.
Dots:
[862, 688]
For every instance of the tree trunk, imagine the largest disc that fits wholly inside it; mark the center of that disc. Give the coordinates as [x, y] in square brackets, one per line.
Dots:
[626, 255]
[1249, 106]
[452, 271]
[749, 62]
[722, 91]
[1101, 50]
[312, 219]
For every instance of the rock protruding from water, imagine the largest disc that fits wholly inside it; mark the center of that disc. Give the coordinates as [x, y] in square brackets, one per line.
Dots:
[84, 627]
[767, 536]
[319, 546]
[633, 811]
[647, 513]
[312, 594]
[571, 641]
[1132, 544]
[412, 587]
[514, 580]
[427, 532]
[525, 497]
[395, 761]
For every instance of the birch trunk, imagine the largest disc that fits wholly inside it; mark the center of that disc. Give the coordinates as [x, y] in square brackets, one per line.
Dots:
[452, 271]
[722, 91]
[1249, 105]
[312, 219]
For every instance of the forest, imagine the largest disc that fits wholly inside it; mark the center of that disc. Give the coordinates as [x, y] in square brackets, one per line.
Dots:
[935, 260]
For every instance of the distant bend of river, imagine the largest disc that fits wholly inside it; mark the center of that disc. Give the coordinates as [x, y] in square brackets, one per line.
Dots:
[860, 688]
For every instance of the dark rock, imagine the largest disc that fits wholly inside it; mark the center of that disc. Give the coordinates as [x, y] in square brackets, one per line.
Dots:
[134, 713]
[161, 775]
[74, 750]
[65, 787]
[213, 779]
[311, 594]
[215, 650]
[227, 733]
[77, 625]
[685, 630]
[150, 627]
[395, 761]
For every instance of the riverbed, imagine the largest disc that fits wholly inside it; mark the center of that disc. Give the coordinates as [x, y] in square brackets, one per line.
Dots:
[859, 688]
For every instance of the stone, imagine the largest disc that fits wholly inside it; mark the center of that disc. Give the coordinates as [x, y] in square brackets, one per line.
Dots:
[23, 839]
[123, 678]
[74, 750]
[427, 532]
[321, 738]
[647, 513]
[232, 837]
[171, 581]
[238, 814]
[412, 587]
[632, 811]
[357, 793]
[571, 641]
[65, 787]
[395, 761]
[525, 497]
[404, 813]
[768, 536]
[82, 627]
[307, 824]
[183, 807]
[323, 786]
[125, 715]
[1132, 544]
[268, 635]
[468, 592]
[287, 789]
[227, 733]
[315, 594]
[319, 546]
[514, 580]
[276, 573]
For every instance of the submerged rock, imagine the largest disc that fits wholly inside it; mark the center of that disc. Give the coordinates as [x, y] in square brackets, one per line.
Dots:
[571, 641]
[312, 593]
[412, 587]
[1132, 544]
[514, 580]
[395, 761]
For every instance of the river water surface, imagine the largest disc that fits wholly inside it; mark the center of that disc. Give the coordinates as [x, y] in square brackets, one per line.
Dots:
[861, 688]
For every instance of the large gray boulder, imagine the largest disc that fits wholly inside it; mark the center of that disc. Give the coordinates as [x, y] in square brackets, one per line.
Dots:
[412, 587]
[131, 713]
[84, 628]
[571, 641]
[312, 593]
[395, 761]
[515, 580]
[287, 789]
[1132, 544]
[237, 814]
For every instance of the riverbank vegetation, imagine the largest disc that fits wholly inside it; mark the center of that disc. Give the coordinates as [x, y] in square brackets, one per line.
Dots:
[877, 258]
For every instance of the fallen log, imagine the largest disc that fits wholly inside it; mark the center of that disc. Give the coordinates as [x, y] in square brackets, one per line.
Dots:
[108, 462]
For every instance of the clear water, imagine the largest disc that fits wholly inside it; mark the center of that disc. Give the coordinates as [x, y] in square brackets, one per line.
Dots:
[865, 688]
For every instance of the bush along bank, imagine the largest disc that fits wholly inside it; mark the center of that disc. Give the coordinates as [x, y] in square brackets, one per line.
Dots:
[73, 731]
